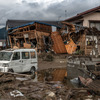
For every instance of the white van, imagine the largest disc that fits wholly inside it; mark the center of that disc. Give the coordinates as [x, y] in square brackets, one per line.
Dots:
[18, 60]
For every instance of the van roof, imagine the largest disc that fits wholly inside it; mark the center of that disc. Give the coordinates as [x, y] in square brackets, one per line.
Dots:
[19, 50]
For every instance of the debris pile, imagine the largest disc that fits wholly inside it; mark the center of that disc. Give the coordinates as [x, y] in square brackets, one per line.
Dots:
[14, 89]
[84, 66]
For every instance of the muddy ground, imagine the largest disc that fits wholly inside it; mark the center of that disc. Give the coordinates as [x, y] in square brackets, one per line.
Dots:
[16, 87]
[59, 61]
[47, 85]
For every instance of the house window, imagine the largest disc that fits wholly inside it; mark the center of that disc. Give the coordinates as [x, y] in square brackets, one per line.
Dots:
[95, 24]
[79, 23]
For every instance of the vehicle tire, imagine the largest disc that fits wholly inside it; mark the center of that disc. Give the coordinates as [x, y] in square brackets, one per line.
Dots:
[32, 70]
[11, 70]
[93, 76]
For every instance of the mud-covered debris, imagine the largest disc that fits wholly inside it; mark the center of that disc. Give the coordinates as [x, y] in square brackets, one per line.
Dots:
[46, 90]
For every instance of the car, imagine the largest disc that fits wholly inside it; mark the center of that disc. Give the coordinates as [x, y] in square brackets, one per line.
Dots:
[18, 60]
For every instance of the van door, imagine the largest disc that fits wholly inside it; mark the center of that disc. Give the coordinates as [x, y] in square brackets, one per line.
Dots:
[25, 61]
[33, 59]
[16, 62]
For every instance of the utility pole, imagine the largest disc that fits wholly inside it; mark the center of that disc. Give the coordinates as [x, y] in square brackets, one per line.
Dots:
[65, 14]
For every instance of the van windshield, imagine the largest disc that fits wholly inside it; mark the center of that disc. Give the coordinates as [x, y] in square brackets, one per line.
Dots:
[5, 56]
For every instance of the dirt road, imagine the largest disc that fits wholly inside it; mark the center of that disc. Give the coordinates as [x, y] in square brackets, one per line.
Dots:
[58, 62]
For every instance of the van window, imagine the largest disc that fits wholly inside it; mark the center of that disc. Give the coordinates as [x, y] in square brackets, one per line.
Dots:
[5, 56]
[16, 56]
[32, 54]
[25, 55]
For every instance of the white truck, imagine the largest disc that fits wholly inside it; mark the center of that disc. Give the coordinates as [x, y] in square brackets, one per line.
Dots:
[18, 60]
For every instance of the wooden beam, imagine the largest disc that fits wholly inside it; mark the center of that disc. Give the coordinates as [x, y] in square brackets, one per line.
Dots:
[24, 32]
[24, 39]
[14, 40]
[36, 35]
[10, 41]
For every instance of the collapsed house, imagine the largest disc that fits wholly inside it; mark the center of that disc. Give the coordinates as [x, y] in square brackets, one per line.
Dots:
[90, 19]
[79, 38]
[61, 38]
[35, 34]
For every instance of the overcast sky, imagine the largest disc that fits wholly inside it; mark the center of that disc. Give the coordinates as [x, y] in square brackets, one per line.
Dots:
[43, 9]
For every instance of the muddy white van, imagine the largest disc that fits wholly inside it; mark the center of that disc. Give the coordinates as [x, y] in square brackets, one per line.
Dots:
[18, 60]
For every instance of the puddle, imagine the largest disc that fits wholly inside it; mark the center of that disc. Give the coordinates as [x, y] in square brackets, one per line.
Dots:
[49, 75]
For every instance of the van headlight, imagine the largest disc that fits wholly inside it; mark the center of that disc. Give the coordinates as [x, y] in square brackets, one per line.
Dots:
[5, 65]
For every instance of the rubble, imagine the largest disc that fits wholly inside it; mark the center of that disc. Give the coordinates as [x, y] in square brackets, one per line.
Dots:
[84, 81]
[16, 93]
[45, 90]
[78, 65]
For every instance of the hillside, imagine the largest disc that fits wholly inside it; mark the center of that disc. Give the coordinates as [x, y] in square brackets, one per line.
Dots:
[3, 33]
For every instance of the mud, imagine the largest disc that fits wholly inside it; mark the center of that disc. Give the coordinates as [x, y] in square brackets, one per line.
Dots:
[19, 87]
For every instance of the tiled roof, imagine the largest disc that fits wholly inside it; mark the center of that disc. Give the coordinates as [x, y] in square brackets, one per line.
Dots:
[80, 15]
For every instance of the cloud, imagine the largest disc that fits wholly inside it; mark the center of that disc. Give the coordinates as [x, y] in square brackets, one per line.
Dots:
[43, 9]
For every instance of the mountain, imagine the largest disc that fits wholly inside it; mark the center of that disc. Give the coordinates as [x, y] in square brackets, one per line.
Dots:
[3, 33]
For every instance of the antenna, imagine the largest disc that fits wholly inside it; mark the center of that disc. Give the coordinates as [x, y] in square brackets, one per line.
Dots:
[65, 13]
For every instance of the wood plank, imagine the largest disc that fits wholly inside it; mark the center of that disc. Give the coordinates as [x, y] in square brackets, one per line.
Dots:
[95, 86]
[10, 41]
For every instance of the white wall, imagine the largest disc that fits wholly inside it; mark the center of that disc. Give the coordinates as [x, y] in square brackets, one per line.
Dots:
[93, 16]
[1, 44]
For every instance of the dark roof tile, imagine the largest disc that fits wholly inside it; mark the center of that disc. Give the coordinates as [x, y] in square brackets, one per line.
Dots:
[80, 15]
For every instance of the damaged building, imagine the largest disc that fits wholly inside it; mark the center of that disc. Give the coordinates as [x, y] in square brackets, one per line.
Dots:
[35, 34]
[90, 38]
[76, 35]
[89, 18]
[60, 37]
